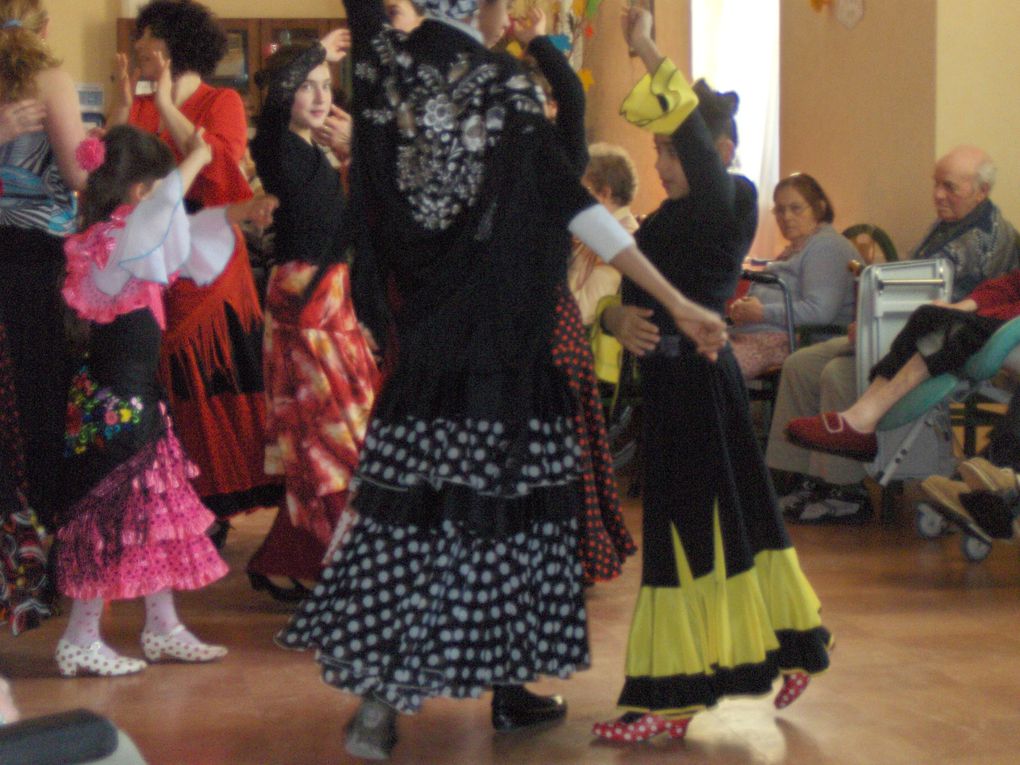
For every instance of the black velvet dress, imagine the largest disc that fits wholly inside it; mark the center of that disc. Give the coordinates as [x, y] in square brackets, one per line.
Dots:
[723, 606]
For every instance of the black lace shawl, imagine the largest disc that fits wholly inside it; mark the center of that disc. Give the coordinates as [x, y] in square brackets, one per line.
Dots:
[463, 192]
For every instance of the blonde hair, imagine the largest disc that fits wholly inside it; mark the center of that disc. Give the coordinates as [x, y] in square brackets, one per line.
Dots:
[23, 52]
[610, 166]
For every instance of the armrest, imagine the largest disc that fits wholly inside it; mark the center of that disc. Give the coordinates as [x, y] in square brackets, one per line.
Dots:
[65, 738]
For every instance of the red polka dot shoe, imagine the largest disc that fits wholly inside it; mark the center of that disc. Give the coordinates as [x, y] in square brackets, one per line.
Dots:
[90, 659]
[633, 727]
[794, 684]
[172, 646]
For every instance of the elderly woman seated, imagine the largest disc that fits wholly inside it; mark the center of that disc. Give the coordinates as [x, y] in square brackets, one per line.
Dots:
[813, 267]
[612, 180]
[938, 338]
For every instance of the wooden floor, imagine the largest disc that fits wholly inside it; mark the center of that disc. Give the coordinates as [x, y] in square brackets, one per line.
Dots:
[926, 670]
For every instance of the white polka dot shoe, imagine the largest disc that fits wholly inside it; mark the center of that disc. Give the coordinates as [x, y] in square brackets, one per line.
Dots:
[73, 658]
[157, 647]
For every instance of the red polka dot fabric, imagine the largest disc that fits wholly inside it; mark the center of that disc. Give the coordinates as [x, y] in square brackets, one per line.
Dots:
[605, 542]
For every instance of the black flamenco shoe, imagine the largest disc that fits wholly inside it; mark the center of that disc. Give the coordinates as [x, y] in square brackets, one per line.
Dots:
[293, 594]
[513, 707]
[218, 533]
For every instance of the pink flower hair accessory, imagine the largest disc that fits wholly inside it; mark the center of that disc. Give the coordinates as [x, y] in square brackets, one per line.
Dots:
[91, 153]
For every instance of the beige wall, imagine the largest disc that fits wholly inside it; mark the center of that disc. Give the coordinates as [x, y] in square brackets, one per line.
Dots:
[858, 111]
[615, 74]
[84, 33]
[977, 102]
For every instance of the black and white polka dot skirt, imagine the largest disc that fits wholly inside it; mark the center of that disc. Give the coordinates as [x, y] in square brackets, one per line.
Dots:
[406, 613]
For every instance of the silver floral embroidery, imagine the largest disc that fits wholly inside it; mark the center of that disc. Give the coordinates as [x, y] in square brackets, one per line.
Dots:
[445, 120]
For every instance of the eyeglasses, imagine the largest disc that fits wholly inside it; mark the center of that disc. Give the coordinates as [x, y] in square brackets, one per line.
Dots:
[794, 209]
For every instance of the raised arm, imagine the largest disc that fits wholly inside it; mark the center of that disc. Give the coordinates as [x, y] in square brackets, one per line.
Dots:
[566, 86]
[664, 103]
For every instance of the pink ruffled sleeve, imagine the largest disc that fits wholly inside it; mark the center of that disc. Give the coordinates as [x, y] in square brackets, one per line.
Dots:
[124, 264]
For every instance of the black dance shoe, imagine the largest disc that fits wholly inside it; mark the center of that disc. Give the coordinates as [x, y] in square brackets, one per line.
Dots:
[513, 707]
[293, 594]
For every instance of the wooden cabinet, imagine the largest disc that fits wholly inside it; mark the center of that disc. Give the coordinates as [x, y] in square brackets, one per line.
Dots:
[249, 43]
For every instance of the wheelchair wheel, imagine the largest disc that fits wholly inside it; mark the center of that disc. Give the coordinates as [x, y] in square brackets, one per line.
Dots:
[929, 524]
[975, 550]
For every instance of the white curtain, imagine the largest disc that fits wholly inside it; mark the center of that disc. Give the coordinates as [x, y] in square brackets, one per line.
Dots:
[735, 46]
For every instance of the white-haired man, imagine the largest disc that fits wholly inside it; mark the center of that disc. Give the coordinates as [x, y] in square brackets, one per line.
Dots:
[972, 234]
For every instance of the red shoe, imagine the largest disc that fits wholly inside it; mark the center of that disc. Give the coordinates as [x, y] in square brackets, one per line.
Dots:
[794, 684]
[829, 432]
[641, 728]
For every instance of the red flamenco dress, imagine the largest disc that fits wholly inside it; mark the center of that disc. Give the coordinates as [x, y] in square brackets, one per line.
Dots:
[211, 362]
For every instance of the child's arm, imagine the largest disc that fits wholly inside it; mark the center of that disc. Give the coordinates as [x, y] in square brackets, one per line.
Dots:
[197, 156]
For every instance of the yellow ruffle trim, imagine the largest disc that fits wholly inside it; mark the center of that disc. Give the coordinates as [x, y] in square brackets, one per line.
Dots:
[716, 621]
[660, 102]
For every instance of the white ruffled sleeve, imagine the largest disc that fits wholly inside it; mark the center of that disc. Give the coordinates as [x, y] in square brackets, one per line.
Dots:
[159, 240]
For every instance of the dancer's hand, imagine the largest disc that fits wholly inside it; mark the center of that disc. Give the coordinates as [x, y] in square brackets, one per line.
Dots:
[705, 328]
[531, 26]
[336, 42]
[335, 132]
[164, 80]
[636, 23]
[629, 324]
[258, 211]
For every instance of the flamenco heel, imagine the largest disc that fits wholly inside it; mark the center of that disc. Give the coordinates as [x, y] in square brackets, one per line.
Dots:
[73, 658]
[634, 727]
[157, 647]
[794, 684]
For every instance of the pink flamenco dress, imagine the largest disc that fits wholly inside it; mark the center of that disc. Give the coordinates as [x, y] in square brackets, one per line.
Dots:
[135, 525]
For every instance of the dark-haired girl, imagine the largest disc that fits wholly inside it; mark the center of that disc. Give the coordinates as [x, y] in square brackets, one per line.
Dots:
[211, 364]
[135, 525]
[814, 269]
[320, 374]
[724, 607]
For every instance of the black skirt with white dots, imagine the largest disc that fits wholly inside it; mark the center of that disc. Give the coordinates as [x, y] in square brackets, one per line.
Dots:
[405, 613]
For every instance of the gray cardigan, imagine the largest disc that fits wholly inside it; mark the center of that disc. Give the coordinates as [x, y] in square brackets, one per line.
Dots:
[821, 287]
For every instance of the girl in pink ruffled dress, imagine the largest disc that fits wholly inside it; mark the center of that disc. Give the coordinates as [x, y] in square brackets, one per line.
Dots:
[135, 526]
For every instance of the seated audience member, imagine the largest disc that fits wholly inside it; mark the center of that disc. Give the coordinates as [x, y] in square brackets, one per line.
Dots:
[938, 338]
[813, 267]
[612, 180]
[979, 243]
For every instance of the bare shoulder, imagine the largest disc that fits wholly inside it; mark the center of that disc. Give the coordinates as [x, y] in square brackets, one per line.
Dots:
[53, 82]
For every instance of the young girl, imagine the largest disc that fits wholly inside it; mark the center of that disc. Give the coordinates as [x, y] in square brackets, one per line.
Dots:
[724, 607]
[319, 372]
[135, 526]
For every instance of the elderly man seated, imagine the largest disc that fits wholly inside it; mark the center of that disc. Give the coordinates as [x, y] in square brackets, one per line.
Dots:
[974, 237]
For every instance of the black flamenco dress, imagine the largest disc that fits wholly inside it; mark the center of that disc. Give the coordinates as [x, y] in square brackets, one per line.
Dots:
[724, 606]
[463, 570]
